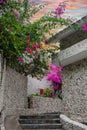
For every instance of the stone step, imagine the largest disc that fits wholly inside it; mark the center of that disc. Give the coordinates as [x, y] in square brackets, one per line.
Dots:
[39, 121]
[41, 126]
[42, 129]
[41, 116]
[46, 121]
[52, 113]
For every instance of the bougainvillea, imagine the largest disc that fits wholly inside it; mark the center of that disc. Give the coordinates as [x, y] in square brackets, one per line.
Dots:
[84, 27]
[55, 76]
[59, 10]
[20, 39]
[3, 1]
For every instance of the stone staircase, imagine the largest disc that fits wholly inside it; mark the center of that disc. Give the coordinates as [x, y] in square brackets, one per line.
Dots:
[47, 121]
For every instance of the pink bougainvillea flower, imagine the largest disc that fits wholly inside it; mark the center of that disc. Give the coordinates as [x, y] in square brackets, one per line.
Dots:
[20, 59]
[55, 68]
[34, 47]
[59, 10]
[16, 13]
[54, 15]
[36, 56]
[55, 86]
[29, 50]
[3, 1]
[38, 46]
[84, 27]
[28, 37]
[54, 77]
[62, 4]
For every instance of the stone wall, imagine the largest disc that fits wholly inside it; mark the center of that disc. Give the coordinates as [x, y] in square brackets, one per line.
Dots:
[15, 94]
[2, 81]
[0, 70]
[13, 88]
[75, 90]
[39, 105]
[46, 104]
[74, 87]
[68, 124]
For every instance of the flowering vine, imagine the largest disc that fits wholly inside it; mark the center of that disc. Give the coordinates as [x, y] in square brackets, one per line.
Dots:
[20, 39]
[84, 27]
[3, 2]
[59, 10]
[55, 76]
[21, 42]
[34, 58]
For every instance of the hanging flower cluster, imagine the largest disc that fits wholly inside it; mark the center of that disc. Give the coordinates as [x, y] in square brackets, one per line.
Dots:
[25, 53]
[60, 10]
[3, 1]
[84, 27]
[55, 76]
[30, 53]
[33, 58]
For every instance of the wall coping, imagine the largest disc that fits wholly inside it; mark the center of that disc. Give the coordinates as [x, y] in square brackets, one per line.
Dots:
[74, 123]
[72, 54]
[67, 31]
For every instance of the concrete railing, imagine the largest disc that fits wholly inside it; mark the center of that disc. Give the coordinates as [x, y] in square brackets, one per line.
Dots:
[69, 124]
[72, 54]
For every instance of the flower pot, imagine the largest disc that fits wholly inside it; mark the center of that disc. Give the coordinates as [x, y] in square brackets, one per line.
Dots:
[41, 91]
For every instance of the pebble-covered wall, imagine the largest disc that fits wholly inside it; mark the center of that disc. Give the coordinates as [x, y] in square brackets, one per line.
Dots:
[15, 93]
[75, 90]
[74, 87]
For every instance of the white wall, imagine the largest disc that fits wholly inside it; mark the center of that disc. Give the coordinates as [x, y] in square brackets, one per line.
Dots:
[34, 85]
